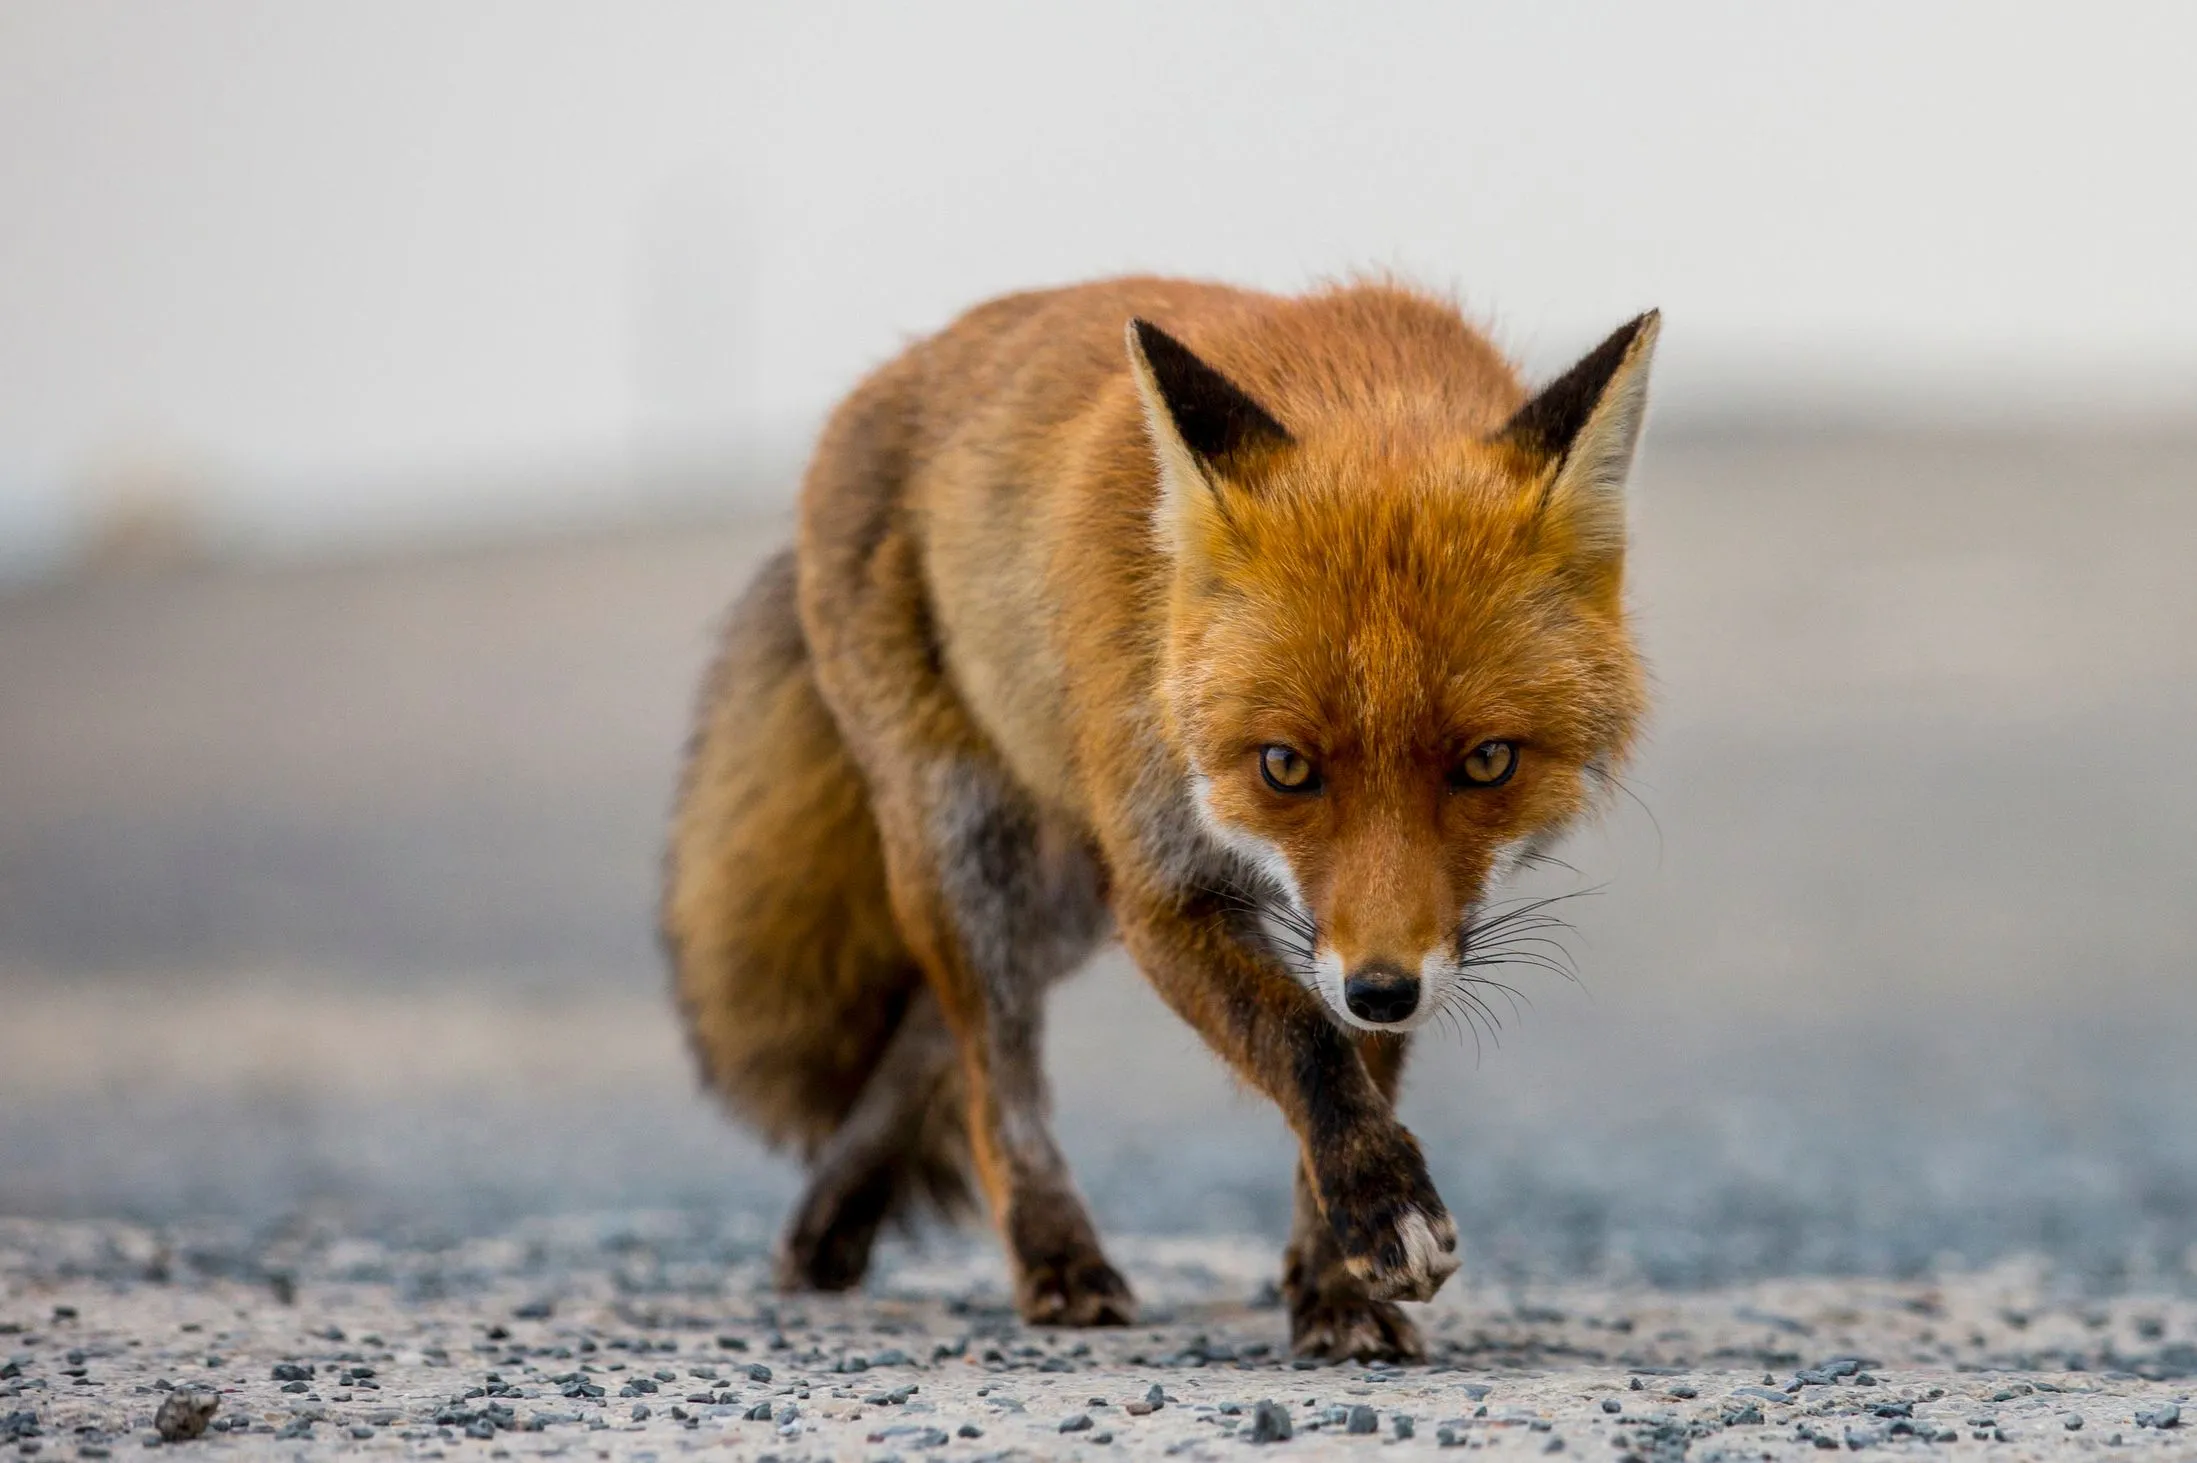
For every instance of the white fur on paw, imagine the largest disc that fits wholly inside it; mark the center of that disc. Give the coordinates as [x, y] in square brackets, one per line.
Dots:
[1428, 1261]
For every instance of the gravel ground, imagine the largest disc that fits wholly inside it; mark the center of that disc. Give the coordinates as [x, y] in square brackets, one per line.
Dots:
[640, 1336]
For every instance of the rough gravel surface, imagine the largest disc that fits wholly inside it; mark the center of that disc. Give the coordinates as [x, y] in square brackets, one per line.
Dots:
[642, 1337]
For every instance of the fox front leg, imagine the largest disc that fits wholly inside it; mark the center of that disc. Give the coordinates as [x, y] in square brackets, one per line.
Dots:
[1365, 1171]
[1331, 1316]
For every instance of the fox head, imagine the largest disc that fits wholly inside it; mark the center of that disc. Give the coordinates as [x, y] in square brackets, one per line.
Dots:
[1397, 658]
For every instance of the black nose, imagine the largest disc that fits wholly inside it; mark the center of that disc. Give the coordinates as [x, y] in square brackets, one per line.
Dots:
[1381, 993]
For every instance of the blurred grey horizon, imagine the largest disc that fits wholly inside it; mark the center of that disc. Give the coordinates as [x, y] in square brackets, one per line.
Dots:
[279, 278]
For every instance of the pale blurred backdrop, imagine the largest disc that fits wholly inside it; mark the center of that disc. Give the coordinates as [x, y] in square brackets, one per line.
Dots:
[392, 395]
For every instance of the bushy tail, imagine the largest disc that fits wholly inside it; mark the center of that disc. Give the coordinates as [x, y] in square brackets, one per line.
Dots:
[789, 968]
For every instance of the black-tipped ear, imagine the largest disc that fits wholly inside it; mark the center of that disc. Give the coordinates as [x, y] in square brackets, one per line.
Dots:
[1549, 424]
[1213, 416]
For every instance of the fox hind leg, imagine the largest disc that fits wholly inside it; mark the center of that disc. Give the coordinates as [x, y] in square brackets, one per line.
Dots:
[901, 1144]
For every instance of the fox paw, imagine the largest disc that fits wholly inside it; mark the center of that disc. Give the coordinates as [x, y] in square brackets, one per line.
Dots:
[1395, 1237]
[1412, 1261]
[833, 1257]
[1342, 1325]
[1074, 1290]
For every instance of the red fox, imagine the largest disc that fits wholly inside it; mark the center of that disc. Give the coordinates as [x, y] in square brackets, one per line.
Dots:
[1265, 633]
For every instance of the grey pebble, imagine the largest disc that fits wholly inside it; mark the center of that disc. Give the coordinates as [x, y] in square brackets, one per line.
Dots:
[1363, 1419]
[1270, 1423]
[185, 1414]
[1404, 1427]
[1080, 1423]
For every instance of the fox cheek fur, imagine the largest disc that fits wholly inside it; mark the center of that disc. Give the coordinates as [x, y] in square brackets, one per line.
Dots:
[1065, 579]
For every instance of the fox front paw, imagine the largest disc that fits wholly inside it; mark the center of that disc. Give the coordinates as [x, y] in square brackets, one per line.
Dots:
[1413, 1261]
[1396, 1238]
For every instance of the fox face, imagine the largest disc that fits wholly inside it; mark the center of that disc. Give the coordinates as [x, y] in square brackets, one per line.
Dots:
[1397, 660]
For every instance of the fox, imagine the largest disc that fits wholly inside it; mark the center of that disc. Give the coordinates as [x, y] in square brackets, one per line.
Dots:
[1265, 634]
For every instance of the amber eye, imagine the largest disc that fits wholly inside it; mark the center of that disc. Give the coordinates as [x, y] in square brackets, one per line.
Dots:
[1287, 770]
[1488, 765]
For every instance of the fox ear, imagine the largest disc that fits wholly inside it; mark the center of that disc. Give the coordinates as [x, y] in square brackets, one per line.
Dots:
[1200, 423]
[1586, 424]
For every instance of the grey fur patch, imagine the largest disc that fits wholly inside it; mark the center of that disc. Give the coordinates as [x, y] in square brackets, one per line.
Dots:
[1027, 901]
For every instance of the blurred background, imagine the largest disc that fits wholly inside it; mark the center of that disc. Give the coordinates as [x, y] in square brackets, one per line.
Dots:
[391, 397]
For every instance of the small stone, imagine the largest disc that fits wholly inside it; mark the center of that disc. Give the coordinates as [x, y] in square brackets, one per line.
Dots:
[1404, 1426]
[2073, 1422]
[1270, 1423]
[1080, 1423]
[757, 1372]
[968, 1430]
[185, 1414]
[1155, 1396]
[1611, 1404]
[1362, 1420]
